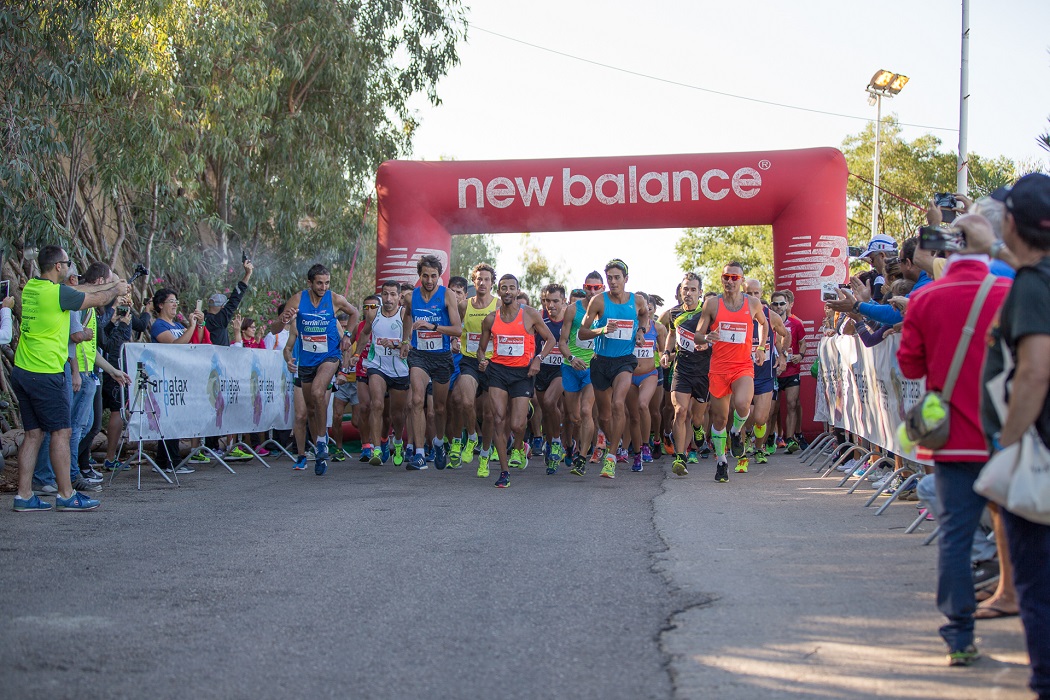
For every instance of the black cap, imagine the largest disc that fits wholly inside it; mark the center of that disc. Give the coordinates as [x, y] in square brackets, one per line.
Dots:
[1028, 200]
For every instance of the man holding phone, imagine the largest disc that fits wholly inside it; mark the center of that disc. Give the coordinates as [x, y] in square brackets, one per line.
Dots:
[221, 310]
[7, 302]
[880, 248]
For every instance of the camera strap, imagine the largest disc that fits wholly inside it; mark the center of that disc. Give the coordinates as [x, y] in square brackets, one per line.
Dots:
[967, 336]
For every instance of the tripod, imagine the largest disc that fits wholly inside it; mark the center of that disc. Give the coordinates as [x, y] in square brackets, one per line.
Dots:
[139, 407]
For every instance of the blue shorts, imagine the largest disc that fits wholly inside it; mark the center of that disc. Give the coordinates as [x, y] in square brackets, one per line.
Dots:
[573, 380]
[638, 379]
[765, 378]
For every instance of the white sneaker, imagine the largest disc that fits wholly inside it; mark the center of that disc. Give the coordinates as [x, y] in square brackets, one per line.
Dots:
[881, 482]
[849, 466]
[876, 474]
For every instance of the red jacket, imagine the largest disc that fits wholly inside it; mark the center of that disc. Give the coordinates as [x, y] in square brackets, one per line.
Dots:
[932, 328]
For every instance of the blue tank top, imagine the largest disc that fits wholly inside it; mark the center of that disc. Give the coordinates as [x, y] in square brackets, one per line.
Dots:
[318, 330]
[433, 311]
[622, 322]
[770, 348]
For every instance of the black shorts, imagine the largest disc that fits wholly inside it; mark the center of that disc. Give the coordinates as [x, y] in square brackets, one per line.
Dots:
[111, 394]
[307, 374]
[548, 373]
[437, 365]
[44, 400]
[392, 383]
[468, 367]
[692, 382]
[513, 380]
[788, 382]
[604, 369]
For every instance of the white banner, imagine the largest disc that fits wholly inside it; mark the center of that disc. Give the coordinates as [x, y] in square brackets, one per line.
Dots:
[204, 390]
[866, 392]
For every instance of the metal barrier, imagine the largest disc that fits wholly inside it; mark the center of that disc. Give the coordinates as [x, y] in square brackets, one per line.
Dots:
[887, 460]
[849, 473]
[835, 454]
[820, 438]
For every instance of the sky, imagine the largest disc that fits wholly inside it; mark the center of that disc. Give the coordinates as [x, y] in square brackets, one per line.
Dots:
[510, 100]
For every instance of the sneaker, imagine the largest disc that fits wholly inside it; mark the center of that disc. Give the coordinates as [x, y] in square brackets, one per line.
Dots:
[537, 445]
[338, 455]
[736, 444]
[384, 451]
[637, 465]
[750, 441]
[705, 451]
[467, 456]
[503, 481]
[802, 442]
[77, 501]
[321, 463]
[609, 468]
[552, 467]
[376, 459]
[399, 455]
[237, 455]
[692, 458]
[655, 448]
[600, 441]
[185, 469]
[455, 453]
[876, 474]
[771, 448]
[440, 459]
[45, 490]
[985, 573]
[418, 463]
[93, 472]
[300, 463]
[366, 454]
[87, 487]
[597, 455]
[200, 458]
[699, 435]
[262, 451]
[115, 466]
[321, 450]
[557, 452]
[622, 456]
[483, 466]
[91, 478]
[761, 458]
[428, 453]
[792, 446]
[780, 443]
[722, 471]
[579, 466]
[741, 466]
[884, 481]
[848, 466]
[678, 467]
[647, 454]
[829, 448]
[964, 657]
[517, 459]
[33, 504]
[668, 446]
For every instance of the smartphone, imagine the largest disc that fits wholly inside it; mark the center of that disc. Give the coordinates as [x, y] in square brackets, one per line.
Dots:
[244, 257]
[946, 239]
[123, 310]
[829, 291]
[855, 251]
[5, 289]
[946, 202]
[199, 304]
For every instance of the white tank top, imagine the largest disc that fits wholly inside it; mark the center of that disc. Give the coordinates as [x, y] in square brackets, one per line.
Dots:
[386, 357]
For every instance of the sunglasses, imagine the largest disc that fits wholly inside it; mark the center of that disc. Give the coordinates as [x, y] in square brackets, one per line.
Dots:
[779, 303]
[594, 287]
[371, 306]
[578, 293]
[729, 277]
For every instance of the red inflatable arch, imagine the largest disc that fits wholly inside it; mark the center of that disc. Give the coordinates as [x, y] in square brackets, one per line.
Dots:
[802, 193]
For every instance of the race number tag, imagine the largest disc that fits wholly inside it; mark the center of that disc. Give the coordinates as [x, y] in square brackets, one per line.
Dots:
[383, 350]
[428, 340]
[686, 340]
[619, 329]
[584, 344]
[646, 351]
[473, 341]
[729, 332]
[510, 345]
[554, 359]
[317, 344]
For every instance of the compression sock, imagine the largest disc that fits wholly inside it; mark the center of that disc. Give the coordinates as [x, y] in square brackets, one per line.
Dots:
[438, 442]
[760, 431]
[718, 437]
[420, 451]
[485, 452]
[396, 442]
[738, 421]
[321, 440]
[473, 436]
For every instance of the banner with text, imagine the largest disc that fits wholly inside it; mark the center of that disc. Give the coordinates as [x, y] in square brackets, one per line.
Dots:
[866, 392]
[204, 390]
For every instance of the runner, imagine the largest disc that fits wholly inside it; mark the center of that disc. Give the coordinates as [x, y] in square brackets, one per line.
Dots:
[644, 384]
[428, 347]
[387, 374]
[726, 323]
[621, 318]
[470, 391]
[453, 421]
[511, 372]
[765, 375]
[576, 375]
[321, 352]
[548, 381]
[784, 302]
[692, 360]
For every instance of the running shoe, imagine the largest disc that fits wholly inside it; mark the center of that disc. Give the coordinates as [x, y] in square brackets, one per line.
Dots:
[115, 465]
[692, 458]
[637, 465]
[399, 454]
[722, 471]
[483, 467]
[236, 455]
[92, 472]
[557, 452]
[699, 435]
[77, 501]
[736, 444]
[597, 455]
[537, 444]
[600, 442]
[45, 490]
[609, 468]
[366, 454]
[417, 463]
[428, 453]
[647, 454]
[455, 453]
[321, 450]
[467, 456]
[503, 481]
[780, 443]
[668, 446]
[90, 478]
[622, 456]
[262, 451]
[750, 446]
[440, 460]
[300, 463]
[705, 451]
[964, 657]
[552, 467]
[376, 460]
[802, 442]
[579, 466]
[338, 455]
[678, 467]
[792, 446]
[384, 451]
[321, 464]
[200, 458]
[741, 466]
[33, 504]
[184, 469]
[518, 460]
[761, 458]
[569, 455]
[771, 448]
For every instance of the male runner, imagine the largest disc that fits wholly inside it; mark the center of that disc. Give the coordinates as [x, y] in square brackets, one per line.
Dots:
[548, 381]
[784, 302]
[511, 372]
[427, 345]
[387, 373]
[765, 376]
[576, 354]
[692, 361]
[321, 352]
[727, 323]
[622, 318]
[471, 387]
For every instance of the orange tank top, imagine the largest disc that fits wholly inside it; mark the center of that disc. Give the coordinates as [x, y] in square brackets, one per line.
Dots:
[513, 346]
[734, 329]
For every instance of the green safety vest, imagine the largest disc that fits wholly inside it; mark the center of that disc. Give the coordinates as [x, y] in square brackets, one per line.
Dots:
[43, 346]
[86, 350]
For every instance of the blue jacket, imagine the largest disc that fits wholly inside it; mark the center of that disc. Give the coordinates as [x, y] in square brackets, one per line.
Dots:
[886, 314]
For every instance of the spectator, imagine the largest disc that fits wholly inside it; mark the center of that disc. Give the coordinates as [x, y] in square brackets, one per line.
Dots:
[277, 336]
[117, 331]
[6, 325]
[244, 331]
[1025, 328]
[880, 248]
[932, 329]
[916, 265]
[221, 310]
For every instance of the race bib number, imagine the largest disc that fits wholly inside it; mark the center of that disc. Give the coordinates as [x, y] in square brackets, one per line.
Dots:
[473, 341]
[554, 359]
[584, 344]
[645, 352]
[317, 344]
[686, 340]
[428, 340]
[619, 329]
[729, 332]
[383, 351]
[510, 345]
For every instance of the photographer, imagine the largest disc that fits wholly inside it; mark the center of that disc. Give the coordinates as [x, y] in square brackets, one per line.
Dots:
[117, 331]
[221, 310]
[6, 325]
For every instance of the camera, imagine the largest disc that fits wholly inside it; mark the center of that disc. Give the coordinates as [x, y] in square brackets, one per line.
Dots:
[123, 310]
[946, 202]
[140, 271]
[941, 239]
[5, 289]
[829, 291]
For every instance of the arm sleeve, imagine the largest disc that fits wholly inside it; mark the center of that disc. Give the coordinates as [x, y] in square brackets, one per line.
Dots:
[220, 320]
[6, 326]
[883, 313]
[70, 299]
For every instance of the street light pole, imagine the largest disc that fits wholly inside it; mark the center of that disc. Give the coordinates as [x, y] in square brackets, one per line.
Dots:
[883, 84]
[962, 172]
[875, 180]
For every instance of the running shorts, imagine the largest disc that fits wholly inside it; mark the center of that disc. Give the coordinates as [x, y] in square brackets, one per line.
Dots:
[604, 369]
[392, 383]
[721, 383]
[788, 382]
[573, 380]
[547, 374]
[437, 365]
[513, 380]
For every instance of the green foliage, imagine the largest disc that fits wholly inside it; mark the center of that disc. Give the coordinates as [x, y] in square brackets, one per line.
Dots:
[536, 270]
[468, 251]
[706, 250]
